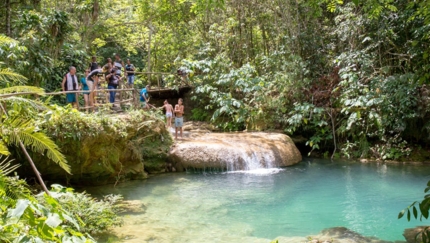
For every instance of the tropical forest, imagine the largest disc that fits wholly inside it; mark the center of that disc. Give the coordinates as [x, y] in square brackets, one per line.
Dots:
[170, 121]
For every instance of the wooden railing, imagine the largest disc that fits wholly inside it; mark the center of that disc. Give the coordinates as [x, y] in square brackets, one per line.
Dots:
[132, 98]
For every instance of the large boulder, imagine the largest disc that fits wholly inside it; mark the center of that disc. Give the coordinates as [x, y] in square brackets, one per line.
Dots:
[235, 151]
[104, 148]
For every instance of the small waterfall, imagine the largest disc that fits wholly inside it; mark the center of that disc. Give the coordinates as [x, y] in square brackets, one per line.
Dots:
[255, 162]
[236, 153]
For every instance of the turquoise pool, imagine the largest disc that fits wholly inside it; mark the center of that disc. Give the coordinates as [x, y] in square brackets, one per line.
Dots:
[257, 206]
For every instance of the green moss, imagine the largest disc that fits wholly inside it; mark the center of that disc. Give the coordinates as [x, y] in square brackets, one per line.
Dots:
[104, 148]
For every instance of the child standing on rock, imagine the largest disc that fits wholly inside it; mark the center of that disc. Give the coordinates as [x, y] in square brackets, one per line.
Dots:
[169, 113]
[179, 119]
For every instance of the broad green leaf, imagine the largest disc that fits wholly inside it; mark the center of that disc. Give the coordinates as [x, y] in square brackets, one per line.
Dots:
[424, 210]
[71, 220]
[21, 206]
[415, 212]
[401, 214]
[51, 201]
[53, 220]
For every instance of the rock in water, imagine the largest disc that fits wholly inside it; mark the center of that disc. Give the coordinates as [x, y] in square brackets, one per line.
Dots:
[235, 151]
[413, 235]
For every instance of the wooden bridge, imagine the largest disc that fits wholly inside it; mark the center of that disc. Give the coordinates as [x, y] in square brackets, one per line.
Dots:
[158, 89]
[125, 96]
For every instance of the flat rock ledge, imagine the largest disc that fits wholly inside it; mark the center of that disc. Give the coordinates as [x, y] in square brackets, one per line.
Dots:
[234, 151]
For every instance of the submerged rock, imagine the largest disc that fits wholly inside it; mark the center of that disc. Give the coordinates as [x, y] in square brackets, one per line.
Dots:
[334, 235]
[413, 235]
[235, 151]
[131, 207]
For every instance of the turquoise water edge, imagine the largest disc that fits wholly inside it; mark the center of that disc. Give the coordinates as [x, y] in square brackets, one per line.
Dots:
[300, 200]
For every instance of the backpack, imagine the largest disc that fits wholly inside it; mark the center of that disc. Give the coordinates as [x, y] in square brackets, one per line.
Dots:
[146, 94]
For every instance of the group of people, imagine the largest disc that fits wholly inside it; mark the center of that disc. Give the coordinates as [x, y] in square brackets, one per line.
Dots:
[112, 73]
[177, 112]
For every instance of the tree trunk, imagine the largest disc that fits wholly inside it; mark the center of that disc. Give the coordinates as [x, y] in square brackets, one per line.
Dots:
[8, 15]
[149, 55]
[33, 166]
[96, 10]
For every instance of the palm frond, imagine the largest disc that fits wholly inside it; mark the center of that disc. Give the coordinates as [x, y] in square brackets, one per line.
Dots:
[6, 167]
[9, 76]
[22, 89]
[23, 102]
[23, 131]
[41, 143]
[5, 40]
[3, 148]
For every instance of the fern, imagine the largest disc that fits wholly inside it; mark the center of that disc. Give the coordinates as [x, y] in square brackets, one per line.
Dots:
[3, 148]
[21, 130]
[40, 142]
[11, 188]
[5, 40]
[22, 102]
[8, 76]
[6, 167]
[19, 89]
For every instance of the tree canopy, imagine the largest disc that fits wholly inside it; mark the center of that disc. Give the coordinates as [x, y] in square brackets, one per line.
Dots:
[350, 76]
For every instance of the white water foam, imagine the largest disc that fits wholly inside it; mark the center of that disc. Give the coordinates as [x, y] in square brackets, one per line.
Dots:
[261, 171]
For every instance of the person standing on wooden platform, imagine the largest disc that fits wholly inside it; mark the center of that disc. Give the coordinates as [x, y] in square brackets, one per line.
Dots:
[93, 65]
[92, 82]
[86, 88]
[70, 83]
[144, 97]
[113, 81]
[129, 68]
[119, 64]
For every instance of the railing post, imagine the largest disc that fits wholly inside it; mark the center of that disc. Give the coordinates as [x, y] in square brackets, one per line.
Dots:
[77, 100]
[120, 96]
[106, 92]
[134, 98]
[158, 80]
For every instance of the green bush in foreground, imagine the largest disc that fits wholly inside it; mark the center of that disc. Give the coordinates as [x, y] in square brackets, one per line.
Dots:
[97, 215]
[64, 216]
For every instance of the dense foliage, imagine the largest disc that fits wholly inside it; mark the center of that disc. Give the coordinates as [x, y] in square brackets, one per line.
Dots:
[62, 216]
[349, 76]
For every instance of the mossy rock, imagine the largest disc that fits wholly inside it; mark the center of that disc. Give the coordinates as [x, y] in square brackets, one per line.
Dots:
[105, 148]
